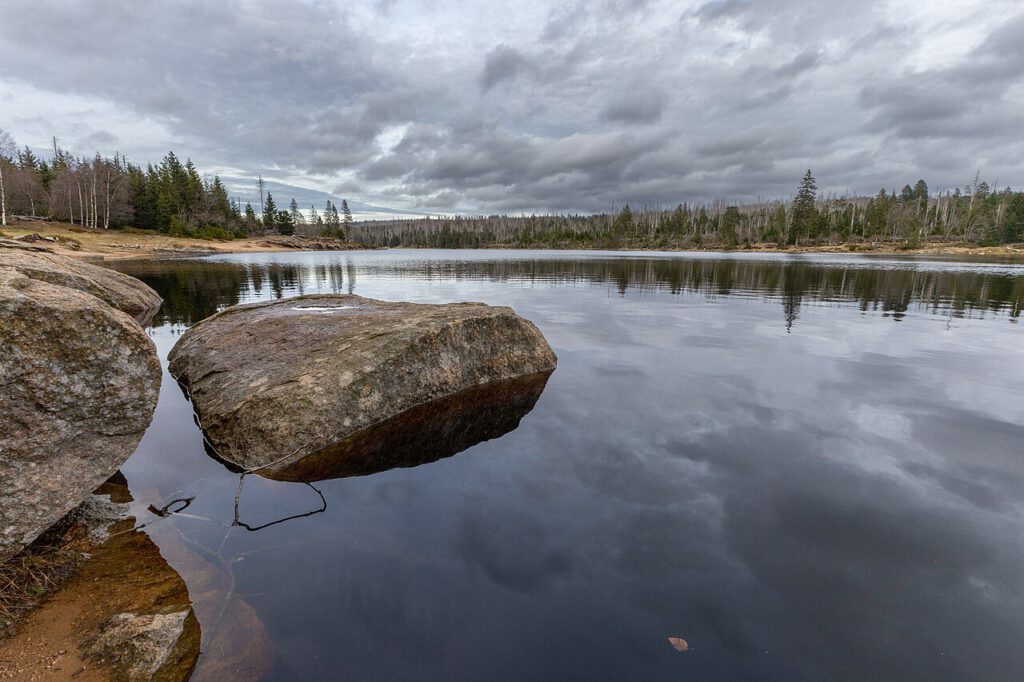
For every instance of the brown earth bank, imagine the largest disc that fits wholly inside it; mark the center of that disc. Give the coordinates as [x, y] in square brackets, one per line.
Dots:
[1002, 252]
[72, 240]
[79, 242]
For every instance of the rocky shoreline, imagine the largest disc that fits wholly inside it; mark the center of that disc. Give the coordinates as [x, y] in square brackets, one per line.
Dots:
[119, 611]
[80, 378]
[373, 385]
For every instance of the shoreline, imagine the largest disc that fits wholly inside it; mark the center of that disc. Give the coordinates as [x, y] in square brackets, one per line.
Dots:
[112, 245]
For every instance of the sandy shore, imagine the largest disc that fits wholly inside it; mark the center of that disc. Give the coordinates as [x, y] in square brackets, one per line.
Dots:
[77, 242]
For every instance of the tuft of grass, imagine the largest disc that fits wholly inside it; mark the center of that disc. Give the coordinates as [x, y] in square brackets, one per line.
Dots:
[29, 576]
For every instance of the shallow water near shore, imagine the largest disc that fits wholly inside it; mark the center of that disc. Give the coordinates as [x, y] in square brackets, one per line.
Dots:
[807, 466]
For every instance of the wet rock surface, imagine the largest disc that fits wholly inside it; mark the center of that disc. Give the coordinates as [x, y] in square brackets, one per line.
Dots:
[273, 383]
[78, 385]
[139, 644]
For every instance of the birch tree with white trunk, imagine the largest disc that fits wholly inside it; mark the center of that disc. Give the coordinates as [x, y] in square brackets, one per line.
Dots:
[7, 150]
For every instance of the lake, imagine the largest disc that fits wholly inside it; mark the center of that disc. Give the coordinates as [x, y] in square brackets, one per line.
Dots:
[806, 466]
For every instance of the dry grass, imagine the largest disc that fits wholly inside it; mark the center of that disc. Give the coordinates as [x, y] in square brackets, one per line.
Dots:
[29, 576]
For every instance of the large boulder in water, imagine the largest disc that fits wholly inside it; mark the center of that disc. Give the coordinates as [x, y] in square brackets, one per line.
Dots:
[273, 383]
[114, 288]
[78, 385]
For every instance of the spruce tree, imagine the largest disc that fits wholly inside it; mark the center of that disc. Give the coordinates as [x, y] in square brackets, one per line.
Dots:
[730, 224]
[269, 213]
[332, 223]
[921, 191]
[250, 219]
[803, 209]
[285, 226]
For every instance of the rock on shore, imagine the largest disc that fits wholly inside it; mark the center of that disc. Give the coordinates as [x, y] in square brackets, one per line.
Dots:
[78, 385]
[273, 383]
[113, 288]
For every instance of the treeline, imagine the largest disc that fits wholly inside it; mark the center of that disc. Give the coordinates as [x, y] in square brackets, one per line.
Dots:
[976, 214]
[170, 197]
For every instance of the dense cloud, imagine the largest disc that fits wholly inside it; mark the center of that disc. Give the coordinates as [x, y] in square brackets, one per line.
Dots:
[531, 106]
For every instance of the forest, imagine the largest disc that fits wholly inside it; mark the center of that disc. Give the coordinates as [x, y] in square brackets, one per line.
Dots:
[975, 214]
[173, 197]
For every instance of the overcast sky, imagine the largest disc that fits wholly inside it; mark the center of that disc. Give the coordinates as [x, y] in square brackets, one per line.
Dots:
[443, 106]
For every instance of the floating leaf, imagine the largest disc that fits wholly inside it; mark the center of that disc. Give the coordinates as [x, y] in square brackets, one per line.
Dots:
[679, 644]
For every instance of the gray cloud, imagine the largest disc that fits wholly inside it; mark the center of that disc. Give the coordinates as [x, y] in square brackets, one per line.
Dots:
[719, 9]
[503, 63]
[636, 107]
[538, 106]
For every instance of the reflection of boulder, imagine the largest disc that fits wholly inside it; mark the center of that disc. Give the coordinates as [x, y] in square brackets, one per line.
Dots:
[79, 385]
[275, 382]
[425, 433]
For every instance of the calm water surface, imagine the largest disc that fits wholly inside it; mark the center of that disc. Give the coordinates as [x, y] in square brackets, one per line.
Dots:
[808, 467]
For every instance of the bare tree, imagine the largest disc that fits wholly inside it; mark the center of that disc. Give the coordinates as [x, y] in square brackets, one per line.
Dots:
[7, 149]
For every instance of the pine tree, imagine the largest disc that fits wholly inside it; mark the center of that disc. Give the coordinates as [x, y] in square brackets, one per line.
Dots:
[921, 192]
[269, 213]
[220, 205]
[804, 217]
[347, 213]
[622, 225]
[250, 219]
[283, 221]
[730, 223]
[332, 222]
[296, 215]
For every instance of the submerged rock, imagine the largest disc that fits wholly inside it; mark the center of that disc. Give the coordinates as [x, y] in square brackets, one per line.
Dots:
[139, 644]
[113, 288]
[273, 383]
[78, 385]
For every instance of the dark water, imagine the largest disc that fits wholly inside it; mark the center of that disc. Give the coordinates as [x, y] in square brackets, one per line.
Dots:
[807, 467]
